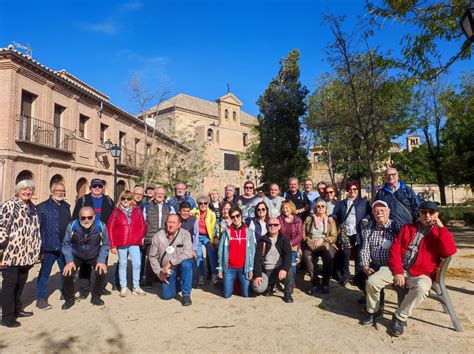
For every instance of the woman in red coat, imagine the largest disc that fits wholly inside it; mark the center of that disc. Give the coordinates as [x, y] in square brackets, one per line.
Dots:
[126, 229]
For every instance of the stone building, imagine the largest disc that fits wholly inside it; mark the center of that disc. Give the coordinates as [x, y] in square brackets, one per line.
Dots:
[54, 127]
[221, 127]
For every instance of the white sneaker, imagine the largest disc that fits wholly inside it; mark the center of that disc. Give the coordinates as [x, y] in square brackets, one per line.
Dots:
[201, 281]
[138, 291]
[123, 292]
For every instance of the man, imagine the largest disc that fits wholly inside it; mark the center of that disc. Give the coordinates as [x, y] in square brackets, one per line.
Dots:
[54, 215]
[86, 242]
[321, 188]
[156, 213]
[103, 206]
[299, 199]
[377, 238]
[401, 199]
[412, 260]
[181, 195]
[138, 194]
[274, 201]
[229, 194]
[150, 193]
[171, 258]
[273, 258]
[191, 225]
[312, 195]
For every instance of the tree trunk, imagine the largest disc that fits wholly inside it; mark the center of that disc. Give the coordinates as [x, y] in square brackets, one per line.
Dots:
[441, 186]
[373, 185]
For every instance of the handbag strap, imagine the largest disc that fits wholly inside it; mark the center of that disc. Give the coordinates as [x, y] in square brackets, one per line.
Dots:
[402, 205]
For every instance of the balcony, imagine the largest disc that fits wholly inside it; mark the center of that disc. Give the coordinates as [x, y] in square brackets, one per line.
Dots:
[38, 132]
[130, 161]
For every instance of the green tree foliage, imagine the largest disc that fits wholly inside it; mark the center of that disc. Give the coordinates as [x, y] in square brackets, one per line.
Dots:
[425, 26]
[279, 153]
[415, 165]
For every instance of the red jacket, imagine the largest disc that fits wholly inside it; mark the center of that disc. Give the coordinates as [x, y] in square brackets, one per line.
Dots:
[438, 243]
[293, 232]
[121, 233]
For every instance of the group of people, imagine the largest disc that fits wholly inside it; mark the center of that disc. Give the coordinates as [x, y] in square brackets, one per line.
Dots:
[262, 240]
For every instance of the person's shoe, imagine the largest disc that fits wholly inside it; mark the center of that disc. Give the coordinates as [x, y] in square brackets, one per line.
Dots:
[42, 304]
[396, 329]
[97, 301]
[84, 295]
[67, 305]
[13, 324]
[106, 292]
[287, 297]
[186, 300]
[138, 291]
[123, 292]
[325, 289]
[371, 318]
[214, 279]
[201, 280]
[269, 291]
[314, 290]
[343, 282]
[24, 313]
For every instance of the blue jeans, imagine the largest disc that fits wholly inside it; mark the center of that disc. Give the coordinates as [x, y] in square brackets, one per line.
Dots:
[184, 271]
[46, 266]
[135, 255]
[211, 253]
[294, 255]
[228, 282]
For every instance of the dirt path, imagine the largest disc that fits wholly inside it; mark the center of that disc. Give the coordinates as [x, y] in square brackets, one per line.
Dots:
[214, 324]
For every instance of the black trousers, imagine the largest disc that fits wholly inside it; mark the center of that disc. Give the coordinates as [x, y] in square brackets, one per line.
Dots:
[147, 276]
[14, 279]
[360, 277]
[311, 261]
[69, 280]
[273, 279]
[85, 272]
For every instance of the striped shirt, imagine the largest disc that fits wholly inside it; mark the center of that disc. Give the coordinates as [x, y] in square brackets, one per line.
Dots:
[376, 242]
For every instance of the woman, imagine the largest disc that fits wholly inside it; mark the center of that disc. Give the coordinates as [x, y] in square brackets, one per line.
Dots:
[207, 238]
[214, 202]
[259, 223]
[349, 216]
[236, 254]
[292, 229]
[319, 240]
[225, 221]
[21, 243]
[126, 229]
[330, 198]
[248, 200]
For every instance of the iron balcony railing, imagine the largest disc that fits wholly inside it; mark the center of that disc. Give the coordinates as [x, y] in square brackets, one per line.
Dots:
[131, 158]
[38, 132]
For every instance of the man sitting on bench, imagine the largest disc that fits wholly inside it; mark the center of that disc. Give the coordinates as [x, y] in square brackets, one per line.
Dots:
[412, 260]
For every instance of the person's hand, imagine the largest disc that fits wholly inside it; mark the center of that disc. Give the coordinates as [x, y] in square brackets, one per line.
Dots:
[257, 281]
[282, 274]
[330, 219]
[219, 275]
[163, 276]
[195, 255]
[69, 268]
[41, 257]
[250, 276]
[113, 250]
[368, 271]
[399, 280]
[101, 268]
[438, 222]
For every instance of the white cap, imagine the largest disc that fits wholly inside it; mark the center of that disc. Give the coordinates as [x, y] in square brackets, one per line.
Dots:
[380, 202]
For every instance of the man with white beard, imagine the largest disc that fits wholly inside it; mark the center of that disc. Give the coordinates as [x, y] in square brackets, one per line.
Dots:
[54, 215]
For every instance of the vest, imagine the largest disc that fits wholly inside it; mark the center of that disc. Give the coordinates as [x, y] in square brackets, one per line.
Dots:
[153, 218]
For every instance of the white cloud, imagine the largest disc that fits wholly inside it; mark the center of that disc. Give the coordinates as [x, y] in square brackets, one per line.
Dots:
[108, 27]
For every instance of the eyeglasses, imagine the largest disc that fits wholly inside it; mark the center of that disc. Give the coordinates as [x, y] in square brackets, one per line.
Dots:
[87, 217]
[59, 190]
[202, 203]
[261, 209]
[138, 194]
[273, 225]
[235, 216]
[330, 192]
[392, 174]
[353, 189]
[320, 206]
[248, 187]
[127, 198]
[97, 186]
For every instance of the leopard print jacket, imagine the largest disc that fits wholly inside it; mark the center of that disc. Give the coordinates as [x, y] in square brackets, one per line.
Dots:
[19, 234]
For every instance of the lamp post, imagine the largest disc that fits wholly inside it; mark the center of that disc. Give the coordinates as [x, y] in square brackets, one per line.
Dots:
[115, 151]
[356, 143]
[467, 21]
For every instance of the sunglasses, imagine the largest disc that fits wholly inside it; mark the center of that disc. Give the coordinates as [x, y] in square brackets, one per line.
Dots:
[127, 198]
[330, 192]
[424, 212]
[353, 189]
[273, 225]
[261, 209]
[87, 217]
[97, 186]
[248, 187]
[235, 216]
[320, 206]
[202, 203]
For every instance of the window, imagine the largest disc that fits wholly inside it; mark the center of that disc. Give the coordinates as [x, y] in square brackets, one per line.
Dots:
[231, 162]
[82, 125]
[246, 139]
[122, 139]
[103, 130]
[58, 118]
[27, 100]
[210, 135]
[316, 158]
[234, 116]
[226, 114]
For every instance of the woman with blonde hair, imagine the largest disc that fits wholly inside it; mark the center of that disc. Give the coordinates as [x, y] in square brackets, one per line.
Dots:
[126, 229]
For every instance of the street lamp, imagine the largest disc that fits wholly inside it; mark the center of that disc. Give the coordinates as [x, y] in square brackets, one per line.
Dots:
[356, 143]
[467, 22]
[115, 151]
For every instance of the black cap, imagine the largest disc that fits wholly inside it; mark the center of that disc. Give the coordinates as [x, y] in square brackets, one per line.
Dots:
[429, 205]
[98, 181]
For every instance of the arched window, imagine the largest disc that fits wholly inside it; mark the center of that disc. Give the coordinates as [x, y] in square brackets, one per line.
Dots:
[234, 116]
[55, 179]
[23, 175]
[226, 114]
[246, 139]
[81, 187]
[210, 135]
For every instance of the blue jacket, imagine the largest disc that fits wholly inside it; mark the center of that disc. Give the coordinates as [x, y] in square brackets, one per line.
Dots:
[223, 252]
[49, 219]
[174, 202]
[86, 244]
[406, 196]
[362, 209]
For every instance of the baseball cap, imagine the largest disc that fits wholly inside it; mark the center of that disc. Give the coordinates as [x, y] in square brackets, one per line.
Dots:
[429, 205]
[98, 181]
[381, 202]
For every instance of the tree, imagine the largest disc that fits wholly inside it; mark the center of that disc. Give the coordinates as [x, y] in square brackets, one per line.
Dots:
[367, 103]
[279, 153]
[427, 25]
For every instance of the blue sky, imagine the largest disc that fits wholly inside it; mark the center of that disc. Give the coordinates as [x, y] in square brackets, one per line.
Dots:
[192, 47]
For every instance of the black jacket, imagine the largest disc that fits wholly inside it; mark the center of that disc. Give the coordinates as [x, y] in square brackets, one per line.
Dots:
[282, 245]
[108, 207]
